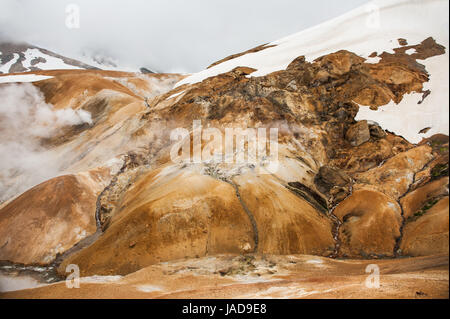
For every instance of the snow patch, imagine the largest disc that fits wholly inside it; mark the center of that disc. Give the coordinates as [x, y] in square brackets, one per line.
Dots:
[174, 95]
[373, 60]
[96, 279]
[148, 288]
[23, 78]
[14, 283]
[315, 261]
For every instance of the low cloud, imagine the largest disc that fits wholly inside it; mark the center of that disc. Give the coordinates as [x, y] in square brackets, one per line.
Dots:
[166, 36]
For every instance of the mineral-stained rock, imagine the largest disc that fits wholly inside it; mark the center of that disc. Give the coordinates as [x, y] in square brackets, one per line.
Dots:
[376, 131]
[339, 63]
[415, 200]
[328, 177]
[428, 234]
[366, 156]
[168, 215]
[358, 133]
[286, 224]
[338, 194]
[370, 224]
[374, 95]
[233, 56]
[402, 41]
[396, 175]
[337, 190]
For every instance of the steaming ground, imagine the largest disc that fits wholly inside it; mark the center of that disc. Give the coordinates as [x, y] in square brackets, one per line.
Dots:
[25, 119]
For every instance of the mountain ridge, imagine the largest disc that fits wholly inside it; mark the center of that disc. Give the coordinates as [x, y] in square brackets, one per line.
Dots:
[22, 57]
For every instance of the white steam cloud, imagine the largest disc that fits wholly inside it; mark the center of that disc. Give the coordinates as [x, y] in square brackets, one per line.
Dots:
[25, 119]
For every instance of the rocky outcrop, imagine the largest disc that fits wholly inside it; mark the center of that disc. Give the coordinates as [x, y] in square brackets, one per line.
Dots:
[376, 131]
[328, 177]
[397, 174]
[358, 133]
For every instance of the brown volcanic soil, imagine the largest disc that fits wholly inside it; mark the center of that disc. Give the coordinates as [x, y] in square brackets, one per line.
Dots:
[292, 276]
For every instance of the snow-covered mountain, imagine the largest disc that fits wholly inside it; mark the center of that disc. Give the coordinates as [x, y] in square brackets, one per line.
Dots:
[22, 57]
[368, 30]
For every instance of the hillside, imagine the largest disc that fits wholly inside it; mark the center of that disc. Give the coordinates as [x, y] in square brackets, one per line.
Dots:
[356, 175]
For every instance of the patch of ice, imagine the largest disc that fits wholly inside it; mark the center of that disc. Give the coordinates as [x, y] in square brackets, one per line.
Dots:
[393, 206]
[174, 95]
[148, 288]
[285, 292]
[96, 279]
[373, 60]
[315, 261]
[13, 283]
[23, 78]
[250, 279]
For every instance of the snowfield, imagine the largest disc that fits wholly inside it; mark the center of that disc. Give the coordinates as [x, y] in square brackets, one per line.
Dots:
[52, 63]
[374, 27]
